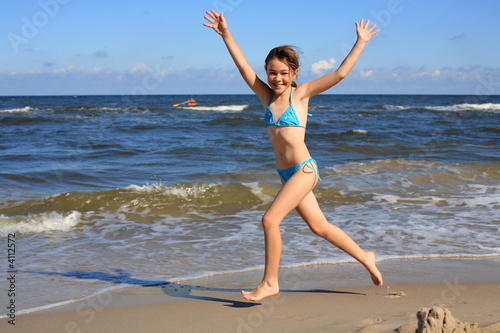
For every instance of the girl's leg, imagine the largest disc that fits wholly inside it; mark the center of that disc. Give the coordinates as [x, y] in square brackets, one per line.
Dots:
[292, 193]
[310, 211]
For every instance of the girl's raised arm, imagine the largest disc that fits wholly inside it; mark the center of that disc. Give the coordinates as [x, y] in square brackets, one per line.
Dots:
[219, 24]
[365, 33]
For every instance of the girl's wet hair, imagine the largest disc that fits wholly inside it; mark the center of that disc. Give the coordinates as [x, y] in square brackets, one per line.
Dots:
[286, 53]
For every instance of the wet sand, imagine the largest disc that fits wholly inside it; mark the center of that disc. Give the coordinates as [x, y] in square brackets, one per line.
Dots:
[319, 298]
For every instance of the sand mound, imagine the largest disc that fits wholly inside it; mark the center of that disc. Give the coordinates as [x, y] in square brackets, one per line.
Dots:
[440, 320]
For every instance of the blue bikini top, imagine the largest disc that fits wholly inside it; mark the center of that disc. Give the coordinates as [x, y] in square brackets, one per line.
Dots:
[288, 118]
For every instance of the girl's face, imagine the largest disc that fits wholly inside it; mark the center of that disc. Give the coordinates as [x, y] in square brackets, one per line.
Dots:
[279, 75]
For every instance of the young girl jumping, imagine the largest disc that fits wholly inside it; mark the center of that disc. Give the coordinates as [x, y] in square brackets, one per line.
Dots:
[285, 116]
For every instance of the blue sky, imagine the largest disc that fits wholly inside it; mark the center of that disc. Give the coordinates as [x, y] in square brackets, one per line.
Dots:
[78, 47]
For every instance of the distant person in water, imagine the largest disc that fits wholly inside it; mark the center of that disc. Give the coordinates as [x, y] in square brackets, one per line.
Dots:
[189, 102]
[286, 104]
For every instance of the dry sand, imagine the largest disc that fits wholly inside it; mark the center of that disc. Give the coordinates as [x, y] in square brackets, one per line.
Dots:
[323, 298]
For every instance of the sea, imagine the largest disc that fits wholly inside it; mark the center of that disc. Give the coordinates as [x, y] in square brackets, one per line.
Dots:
[101, 192]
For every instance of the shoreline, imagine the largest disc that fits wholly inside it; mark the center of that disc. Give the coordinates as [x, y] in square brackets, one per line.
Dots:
[312, 298]
[347, 266]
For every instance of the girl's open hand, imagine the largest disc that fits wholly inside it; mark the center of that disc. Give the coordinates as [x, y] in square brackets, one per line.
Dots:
[217, 22]
[364, 31]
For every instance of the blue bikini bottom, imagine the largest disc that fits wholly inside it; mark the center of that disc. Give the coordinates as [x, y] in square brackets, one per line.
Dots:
[286, 174]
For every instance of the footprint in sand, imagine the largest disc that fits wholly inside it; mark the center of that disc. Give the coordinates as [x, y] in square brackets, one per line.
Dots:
[395, 294]
[372, 321]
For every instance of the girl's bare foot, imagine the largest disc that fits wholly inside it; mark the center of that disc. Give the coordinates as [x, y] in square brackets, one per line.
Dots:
[263, 290]
[369, 264]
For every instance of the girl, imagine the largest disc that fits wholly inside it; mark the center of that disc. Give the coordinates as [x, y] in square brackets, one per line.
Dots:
[285, 117]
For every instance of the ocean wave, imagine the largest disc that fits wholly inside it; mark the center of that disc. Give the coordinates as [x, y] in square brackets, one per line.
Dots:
[20, 110]
[219, 108]
[486, 107]
[440, 201]
[396, 107]
[77, 109]
[313, 107]
[92, 108]
[206, 191]
[431, 171]
[418, 183]
[489, 107]
[141, 204]
[390, 183]
[357, 132]
[39, 223]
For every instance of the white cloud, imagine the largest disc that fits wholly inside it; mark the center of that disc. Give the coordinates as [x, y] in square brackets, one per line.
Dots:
[154, 79]
[366, 74]
[321, 66]
[140, 68]
[70, 70]
[436, 74]
[103, 73]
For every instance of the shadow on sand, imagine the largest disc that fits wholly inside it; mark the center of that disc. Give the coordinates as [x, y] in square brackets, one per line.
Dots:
[174, 289]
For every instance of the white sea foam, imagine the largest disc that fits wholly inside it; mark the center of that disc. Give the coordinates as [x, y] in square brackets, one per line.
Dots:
[258, 191]
[491, 107]
[144, 188]
[219, 108]
[357, 131]
[105, 109]
[396, 107]
[25, 109]
[39, 223]
[180, 191]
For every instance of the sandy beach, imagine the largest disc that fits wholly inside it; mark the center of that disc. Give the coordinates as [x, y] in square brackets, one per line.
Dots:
[320, 298]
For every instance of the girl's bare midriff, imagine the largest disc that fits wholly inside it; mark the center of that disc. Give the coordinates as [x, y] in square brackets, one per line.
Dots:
[288, 145]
